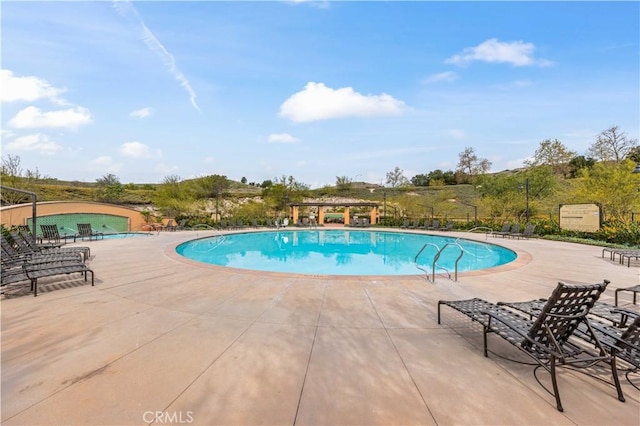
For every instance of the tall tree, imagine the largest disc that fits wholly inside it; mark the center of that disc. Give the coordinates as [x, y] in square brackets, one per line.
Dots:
[173, 196]
[555, 154]
[612, 145]
[470, 166]
[504, 195]
[396, 178]
[612, 186]
[110, 190]
[343, 183]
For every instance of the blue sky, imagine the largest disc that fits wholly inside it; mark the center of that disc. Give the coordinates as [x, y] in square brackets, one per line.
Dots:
[312, 90]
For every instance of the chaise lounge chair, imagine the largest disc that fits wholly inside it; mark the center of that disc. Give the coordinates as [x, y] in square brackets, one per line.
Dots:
[85, 231]
[549, 338]
[624, 346]
[51, 234]
[504, 231]
[529, 229]
[633, 289]
[16, 269]
[24, 245]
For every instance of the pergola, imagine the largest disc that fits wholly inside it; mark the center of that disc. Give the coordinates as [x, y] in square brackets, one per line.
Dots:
[295, 210]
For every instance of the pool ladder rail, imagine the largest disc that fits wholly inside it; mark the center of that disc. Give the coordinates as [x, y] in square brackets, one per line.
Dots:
[435, 261]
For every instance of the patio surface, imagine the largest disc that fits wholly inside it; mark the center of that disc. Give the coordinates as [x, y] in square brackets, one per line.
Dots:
[164, 340]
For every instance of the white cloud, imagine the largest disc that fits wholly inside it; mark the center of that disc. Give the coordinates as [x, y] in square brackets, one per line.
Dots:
[516, 53]
[26, 89]
[36, 142]
[319, 102]
[136, 150]
[282, 138]
[125, 8]
[441, 77]
[105, 162]
[33, 117]
[142, 112]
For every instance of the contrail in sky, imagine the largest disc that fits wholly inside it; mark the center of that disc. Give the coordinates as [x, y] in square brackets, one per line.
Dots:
[126, 10]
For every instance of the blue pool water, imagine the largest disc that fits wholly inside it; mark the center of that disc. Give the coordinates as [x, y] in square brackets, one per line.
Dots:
[343, 252]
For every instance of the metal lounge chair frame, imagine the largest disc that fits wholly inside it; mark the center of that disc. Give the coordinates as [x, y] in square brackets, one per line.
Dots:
[548, 338]
[624, 346]
[621, 339]
[504, 231]
[25, 245]
[20, 269]
[50, 233]
[633, 289]
[85, 231]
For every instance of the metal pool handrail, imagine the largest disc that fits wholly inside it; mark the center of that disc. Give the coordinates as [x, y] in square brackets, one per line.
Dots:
[435, 260]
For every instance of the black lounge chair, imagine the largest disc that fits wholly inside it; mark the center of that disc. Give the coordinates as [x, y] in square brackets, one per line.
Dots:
[624, 346]
[23, 244]
[85, 231]
[629, 254]
[51, 234]
[504, 231]
[447, 227]
[17, 270]
[528, 231]
[435, 225]
[633, 289]
[621, 339]
[548, 339]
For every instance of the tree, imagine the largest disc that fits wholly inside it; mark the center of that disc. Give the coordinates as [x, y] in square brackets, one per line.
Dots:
[243, 180]
[552, 153]
[634, 154]
[578, 163]
[503, 195]
[470, 165]
[110, 190]
[173, 196]
[396, 178]
[612, 145]
[11, 172]
[613, 187]
[343, 183]
[420, 180]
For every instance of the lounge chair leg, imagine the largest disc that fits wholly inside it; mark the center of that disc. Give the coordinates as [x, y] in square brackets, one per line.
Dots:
[616, 380]
[486, 351]
[554, 381]
[439, 312]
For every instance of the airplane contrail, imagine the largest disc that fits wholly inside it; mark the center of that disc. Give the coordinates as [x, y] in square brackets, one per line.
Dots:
[126, 9]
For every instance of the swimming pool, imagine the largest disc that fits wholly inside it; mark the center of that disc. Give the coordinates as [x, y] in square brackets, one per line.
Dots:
[344, 252]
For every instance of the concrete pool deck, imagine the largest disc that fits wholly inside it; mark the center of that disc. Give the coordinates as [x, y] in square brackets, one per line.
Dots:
[164, 340]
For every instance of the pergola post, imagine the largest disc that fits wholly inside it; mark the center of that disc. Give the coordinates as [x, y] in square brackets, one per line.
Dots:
[320, 215]
[295, 214]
